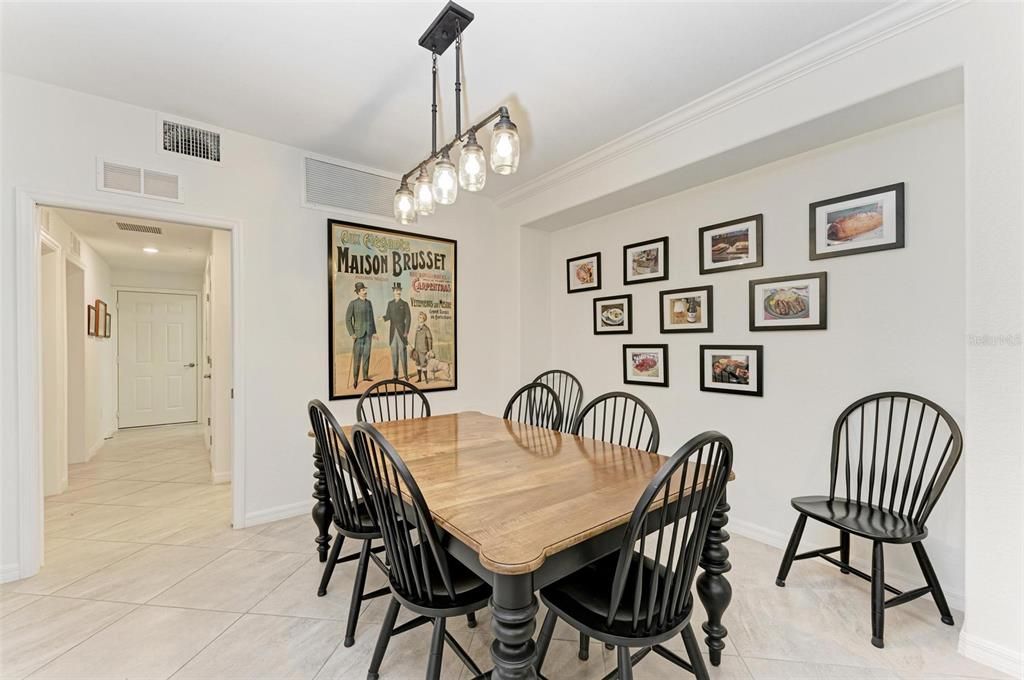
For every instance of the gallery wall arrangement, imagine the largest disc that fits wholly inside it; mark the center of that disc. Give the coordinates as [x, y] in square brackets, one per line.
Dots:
[856, 223]
[97, 320]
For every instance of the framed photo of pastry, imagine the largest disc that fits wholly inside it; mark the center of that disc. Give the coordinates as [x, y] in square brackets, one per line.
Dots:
[645, 365]
[735, 244]
[645, 261]
[613, 315]
[583, 273]
[864, 222]
[733, 369]
[687, 310]
[789, 303]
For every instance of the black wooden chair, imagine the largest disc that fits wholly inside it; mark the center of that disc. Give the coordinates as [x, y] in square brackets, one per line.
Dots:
[892, 455]
[352, 518]
[569, 391]
[392, 399]
[535, 404]
[423, 578]
[631, 599]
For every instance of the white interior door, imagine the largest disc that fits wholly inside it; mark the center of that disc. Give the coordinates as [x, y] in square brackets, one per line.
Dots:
[157, 370]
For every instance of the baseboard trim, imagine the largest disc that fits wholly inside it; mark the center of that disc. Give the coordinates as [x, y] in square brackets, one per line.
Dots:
[276, 513]
[998, 657]
[10, 572]
[221, 477]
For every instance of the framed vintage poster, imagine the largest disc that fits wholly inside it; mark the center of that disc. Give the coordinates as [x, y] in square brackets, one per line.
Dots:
[583, 273]
[735, 369]
[735, 244]
[391, 308]
[645, 261]
[613, 315]
[687, 310]
[789, 303]
[864, 222]
[645, 365]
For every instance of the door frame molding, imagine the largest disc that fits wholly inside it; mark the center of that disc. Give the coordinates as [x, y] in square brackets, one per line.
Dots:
[27, 356]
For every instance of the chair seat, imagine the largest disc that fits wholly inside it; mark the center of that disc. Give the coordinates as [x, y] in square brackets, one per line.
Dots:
[364, 528]
[861, 519]
[471, 592]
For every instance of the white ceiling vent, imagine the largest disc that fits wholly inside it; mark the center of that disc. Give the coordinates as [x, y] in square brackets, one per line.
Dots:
[139, 228]
[128, 179]
[334, 185]
[189, 140]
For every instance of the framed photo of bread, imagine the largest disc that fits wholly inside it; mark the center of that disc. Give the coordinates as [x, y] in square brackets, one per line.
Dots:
[613, 315]
[645, 365]
[735, 244]
[733, 369]
[645, 261]
[583, 273]
[789, 303]
[864, 222]
[687, 310]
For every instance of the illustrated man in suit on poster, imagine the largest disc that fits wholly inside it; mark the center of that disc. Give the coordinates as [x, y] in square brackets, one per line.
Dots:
[362, 329]
[400, 316]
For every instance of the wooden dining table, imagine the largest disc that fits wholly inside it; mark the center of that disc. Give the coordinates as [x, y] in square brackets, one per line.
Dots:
[523, 506]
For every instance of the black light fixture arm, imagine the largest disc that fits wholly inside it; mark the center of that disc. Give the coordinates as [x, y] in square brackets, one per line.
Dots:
[433, 104]
[458, 80]
[501, 111]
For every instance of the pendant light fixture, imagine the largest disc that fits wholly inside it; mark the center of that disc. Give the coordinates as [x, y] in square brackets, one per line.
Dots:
[471, 175]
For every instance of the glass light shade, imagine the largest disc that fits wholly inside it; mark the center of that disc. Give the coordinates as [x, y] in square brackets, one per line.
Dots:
[504, 147]
[446, 181]
[472, 166]
[405, 207]
[423, 193]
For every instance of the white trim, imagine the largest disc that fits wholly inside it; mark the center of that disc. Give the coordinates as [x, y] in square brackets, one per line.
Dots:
[276, 513]
[861, 35]
[221, 477]
[1001, 658]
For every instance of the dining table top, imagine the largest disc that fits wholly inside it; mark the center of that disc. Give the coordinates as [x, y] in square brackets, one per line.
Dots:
[515, 493]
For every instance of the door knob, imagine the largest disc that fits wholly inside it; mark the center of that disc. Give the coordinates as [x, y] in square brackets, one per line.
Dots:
[207, 375]
[192, 365]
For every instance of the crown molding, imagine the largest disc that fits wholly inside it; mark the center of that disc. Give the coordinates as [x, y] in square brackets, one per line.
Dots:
[871, 30]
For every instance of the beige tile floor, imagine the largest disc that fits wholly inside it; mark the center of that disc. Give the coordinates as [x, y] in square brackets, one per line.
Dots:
[144, 578]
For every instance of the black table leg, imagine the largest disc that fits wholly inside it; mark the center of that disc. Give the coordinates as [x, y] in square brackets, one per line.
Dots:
[514, 611]
[713, 588]
[323, 513]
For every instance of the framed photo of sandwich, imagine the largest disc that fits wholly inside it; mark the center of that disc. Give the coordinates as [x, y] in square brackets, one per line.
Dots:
[864, 222]
[735, 244]
[583, 273]
[789, 303]
[645, 261]
[645, 365]
[613, 315]
[733, 369]
[687, 310]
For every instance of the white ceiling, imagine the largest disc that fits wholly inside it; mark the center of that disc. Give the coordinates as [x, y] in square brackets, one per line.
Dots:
[182, 248]
[349, 80]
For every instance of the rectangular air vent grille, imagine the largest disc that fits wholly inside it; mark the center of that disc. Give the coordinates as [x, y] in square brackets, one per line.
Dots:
[339, 186]
[76, 244]
[127, 179]
[189, 140]
[122, 178]
[139, 228]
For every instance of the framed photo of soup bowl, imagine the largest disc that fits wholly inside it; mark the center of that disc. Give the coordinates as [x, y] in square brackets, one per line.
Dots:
[583, 273]
[864, 222]
[732, 369]
[645, 365]
[735, 244]
[613, 315]
[645, 261]
[687, 310]
[789, 303]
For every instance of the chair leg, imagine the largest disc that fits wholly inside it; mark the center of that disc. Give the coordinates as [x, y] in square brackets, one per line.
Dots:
[584, 652]
[877, 595]
[383, 639]
[933, 582]
[794, 543]
[471, 619]
[844, 549]
[693, 651]
[357, 594]
[625, 664]
[329, 566]
[436, 650]
[547, 630]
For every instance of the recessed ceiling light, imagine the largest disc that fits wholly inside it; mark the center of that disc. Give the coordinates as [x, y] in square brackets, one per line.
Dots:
[150, 250]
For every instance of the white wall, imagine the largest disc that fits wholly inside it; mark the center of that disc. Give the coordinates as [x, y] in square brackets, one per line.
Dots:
[145, 278]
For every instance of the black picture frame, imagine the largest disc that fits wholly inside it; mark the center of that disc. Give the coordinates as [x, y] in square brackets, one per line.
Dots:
[709, 311]
[758, 351]
[568, 273]
[758, 256]
[90, 320]
[627, 328]
[822, 278]
[106, 325]
[663, 240]
[626, 347]
[899, 214]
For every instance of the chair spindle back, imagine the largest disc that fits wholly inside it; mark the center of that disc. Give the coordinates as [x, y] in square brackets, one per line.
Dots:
[569, 391]
[392, 399]
[345, 487]
[535, 404]
[619, 418]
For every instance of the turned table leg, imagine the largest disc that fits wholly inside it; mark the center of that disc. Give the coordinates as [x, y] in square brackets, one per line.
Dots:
[323, 513]
[514, 611]
[713, 588]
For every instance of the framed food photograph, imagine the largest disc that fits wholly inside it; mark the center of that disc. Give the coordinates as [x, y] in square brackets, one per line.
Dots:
[645, 261]
[789, 303]
[645, 365]
[583, 273]
[613, 315]
[106, 325]
[391, 309]
[734, 369]
[687, 310]
[90, 320]
[864, 222]
[736, 244]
